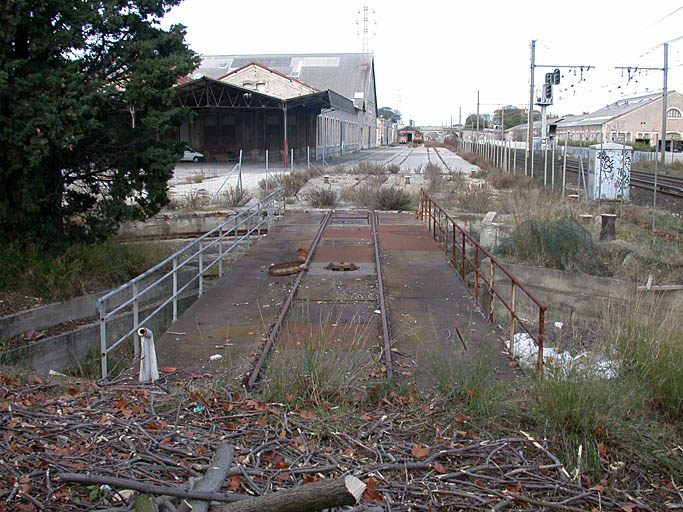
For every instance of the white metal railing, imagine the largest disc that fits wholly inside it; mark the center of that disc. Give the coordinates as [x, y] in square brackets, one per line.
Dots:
[132, 294]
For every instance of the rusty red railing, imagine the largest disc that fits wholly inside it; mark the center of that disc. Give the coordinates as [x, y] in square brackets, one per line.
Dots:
[438, 222]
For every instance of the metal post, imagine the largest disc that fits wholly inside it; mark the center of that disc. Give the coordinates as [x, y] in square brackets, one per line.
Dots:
[240, 169]
[530, 117]
[175, 288]
[662, 138]
[267, 177]
[545, 164]
[476, 272]
[103, 341]
[453, 249]
[220, 251]
[514, 160]
[477, 134]
[291, 163]
[491, 296]
[539, 363]
[564, 165]
[552, 168]
[463, 256]
[201, 268]
[308, 156]
[136, 320]
[513, 293]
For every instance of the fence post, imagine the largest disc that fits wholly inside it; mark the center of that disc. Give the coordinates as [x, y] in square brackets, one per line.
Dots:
[201, 268]
[103, 340]
[513, 293]
[220, 251]
[308, 156]
[463, 256]
[175, 288]
[453, 249]
[136, 320]
[539, 363]
[476, 272]
[491, 295]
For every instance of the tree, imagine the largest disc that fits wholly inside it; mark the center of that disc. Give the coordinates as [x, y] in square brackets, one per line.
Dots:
[85, 98]
[484, 121]
[390, 114]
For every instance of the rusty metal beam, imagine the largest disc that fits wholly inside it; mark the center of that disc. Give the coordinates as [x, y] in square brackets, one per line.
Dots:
[382, 305]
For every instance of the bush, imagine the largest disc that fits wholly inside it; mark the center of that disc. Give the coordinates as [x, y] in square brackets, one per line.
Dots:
[368, 168]
[392, 198]
[393, 168]
[432, 173]
[323, 198]
[504, 180]
[562, 244]
[475, 199]
[235, 196]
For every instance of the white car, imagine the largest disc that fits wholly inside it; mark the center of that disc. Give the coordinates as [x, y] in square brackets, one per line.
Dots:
[192, 155]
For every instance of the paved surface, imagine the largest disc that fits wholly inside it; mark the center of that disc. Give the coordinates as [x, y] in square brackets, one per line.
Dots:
[336, 310]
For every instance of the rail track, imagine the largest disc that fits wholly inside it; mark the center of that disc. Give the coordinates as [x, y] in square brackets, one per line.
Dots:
[668, 185]
[253, 377]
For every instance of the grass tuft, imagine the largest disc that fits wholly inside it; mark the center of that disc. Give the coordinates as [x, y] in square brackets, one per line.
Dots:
[323, 198]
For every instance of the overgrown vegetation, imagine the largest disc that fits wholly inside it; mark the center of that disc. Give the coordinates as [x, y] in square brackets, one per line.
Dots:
[432, 173]
[323, 198]
[475, 198]
[78, 270]
[235, 196]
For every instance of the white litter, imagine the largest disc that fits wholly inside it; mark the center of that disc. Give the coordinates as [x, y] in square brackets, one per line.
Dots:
[559, 325]
[527, 352]
[378, 312]
[215, 357]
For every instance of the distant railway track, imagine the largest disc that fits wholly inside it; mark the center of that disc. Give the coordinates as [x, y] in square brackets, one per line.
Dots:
[253, 377]
[671, 186]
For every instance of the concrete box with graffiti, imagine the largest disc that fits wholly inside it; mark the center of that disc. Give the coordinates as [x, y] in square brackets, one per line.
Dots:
[609, 176]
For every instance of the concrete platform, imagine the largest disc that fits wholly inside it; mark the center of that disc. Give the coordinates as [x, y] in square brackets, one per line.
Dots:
[336, 310]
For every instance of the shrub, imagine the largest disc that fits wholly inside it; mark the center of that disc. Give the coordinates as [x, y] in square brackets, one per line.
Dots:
[362, 196]
[235, 196]
[368, 168]
[392, 198]
[393, 168]
[323, 198]
[293, 182]
[377, 180]
[504, 180]
[476, 198]
[562, 244]
[432, 173]
[270, 183]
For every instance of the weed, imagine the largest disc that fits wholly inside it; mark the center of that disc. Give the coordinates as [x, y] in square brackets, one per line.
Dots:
[377, 180]
[235, 196]
[292, 182]
[368, 168]
[505, 180]
[196, 178]
[432, 173]
[393, 168]
[475, 199]
[392, 198]
[323, 198]
[80, 269]
[193, 199]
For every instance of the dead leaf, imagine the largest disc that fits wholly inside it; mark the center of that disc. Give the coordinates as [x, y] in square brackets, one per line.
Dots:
[418, 451]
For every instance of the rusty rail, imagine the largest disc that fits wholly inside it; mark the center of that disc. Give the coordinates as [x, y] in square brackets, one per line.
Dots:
[438, 223]
[272, 335]
[382, 304]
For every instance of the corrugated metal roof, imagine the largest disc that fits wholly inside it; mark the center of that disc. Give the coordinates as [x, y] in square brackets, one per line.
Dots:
[609, 112]
[344, 73]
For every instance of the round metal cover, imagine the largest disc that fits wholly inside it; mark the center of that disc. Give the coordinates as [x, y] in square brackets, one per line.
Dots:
[341, 267]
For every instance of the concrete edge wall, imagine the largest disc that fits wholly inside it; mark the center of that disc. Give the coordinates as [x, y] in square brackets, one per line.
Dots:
[79, 308]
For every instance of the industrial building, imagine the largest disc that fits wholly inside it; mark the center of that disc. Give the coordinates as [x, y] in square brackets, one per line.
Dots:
[316, 106]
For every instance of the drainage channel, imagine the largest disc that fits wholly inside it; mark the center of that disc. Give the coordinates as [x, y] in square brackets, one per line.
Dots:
[337, 298]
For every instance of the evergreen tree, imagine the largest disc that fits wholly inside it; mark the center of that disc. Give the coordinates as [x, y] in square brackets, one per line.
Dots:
[85, 98]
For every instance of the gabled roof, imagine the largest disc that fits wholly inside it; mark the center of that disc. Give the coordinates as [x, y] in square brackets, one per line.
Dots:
[611, 111]
[345, 73]
[237, 70]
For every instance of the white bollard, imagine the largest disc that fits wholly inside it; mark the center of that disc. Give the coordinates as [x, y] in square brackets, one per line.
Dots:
[148, 362]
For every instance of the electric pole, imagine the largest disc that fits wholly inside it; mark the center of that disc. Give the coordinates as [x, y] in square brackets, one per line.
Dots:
[477, 136]
[530, 118]
[662, 137]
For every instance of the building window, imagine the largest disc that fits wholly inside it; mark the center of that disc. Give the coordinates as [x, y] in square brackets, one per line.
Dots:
[673, 112]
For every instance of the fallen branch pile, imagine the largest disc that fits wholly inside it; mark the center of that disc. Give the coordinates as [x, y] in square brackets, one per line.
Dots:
[126, 438]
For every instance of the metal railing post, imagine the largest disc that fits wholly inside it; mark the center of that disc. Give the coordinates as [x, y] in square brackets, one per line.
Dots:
[220, 252]
[476, 272]
[175, 288]
[491, 293]
[463, 256]
[539, 363]
[513, 294]
[136, 320]
[453, 248]
[103, 340]
[201, 268]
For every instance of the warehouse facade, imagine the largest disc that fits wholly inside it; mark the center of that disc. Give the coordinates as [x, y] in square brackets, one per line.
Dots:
[318, 105]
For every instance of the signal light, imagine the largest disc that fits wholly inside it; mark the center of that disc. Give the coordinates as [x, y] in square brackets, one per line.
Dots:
[548, 91]
[548, 78]
[556, 77]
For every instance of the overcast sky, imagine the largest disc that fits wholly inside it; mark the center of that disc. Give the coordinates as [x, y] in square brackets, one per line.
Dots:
[432, 57]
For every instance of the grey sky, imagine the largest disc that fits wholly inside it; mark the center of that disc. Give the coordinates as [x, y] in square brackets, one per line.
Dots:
[436, 54]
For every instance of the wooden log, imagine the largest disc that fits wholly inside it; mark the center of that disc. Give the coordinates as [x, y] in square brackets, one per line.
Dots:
[306, 498]
[147, 488]
[213, 478]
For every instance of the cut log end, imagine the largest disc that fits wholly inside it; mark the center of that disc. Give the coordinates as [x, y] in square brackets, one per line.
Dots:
[355, 487]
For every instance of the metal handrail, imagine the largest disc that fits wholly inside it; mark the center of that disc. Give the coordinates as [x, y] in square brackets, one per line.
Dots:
[262, 212]
[438, 219]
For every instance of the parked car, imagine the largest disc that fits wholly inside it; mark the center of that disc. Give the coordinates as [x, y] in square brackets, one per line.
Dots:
[192, 155]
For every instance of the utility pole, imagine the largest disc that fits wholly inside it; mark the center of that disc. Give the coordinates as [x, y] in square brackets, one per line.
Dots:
[662, 137]
[476, 138]
[530, 132]
[460, 116]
